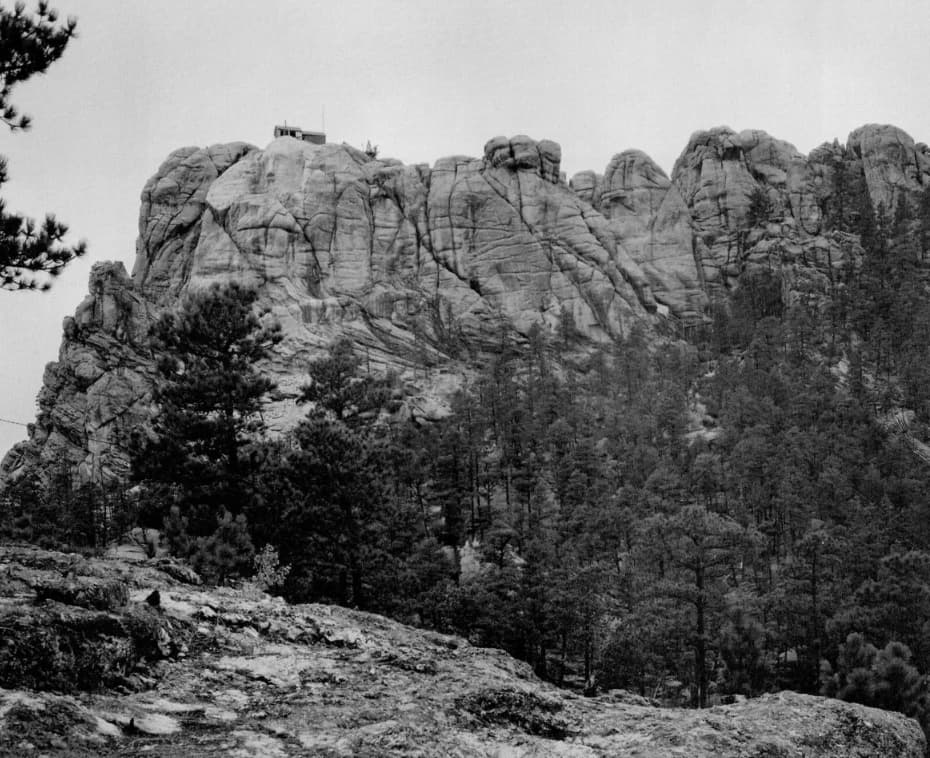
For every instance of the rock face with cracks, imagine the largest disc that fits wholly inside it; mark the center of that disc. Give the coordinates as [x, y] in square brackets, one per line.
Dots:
[241, 673]
[429, 269]
[651, 223]
[421, 268]
[694, 234]
[100, 387]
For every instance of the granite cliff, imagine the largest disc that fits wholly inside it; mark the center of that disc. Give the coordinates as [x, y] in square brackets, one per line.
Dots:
[427, 269]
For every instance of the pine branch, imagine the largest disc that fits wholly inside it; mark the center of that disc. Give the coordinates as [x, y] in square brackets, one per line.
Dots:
[29, 44]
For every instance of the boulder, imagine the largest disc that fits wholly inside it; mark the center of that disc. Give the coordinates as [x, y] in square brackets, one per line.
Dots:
[65, 648]
[524, 153]
[85, 592]
[178, 570]
[67, 623]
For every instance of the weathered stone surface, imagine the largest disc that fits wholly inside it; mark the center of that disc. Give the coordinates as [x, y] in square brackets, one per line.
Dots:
[419, 267]
[78, 632]
[717, 174]
[651, 222]
[99, 389]
[424, 269]
[63, 648]
[336, 240]
[51, 724]
[692, 236]
[587, 185]
[263, 678]
[173, 204]
[86, 592]
[522, 152]
[891, 161]
[178, 570]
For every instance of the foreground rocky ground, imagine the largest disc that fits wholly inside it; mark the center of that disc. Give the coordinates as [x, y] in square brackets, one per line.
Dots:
[191, 671]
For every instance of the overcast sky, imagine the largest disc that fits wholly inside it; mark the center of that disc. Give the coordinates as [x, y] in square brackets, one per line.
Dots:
[423, 79]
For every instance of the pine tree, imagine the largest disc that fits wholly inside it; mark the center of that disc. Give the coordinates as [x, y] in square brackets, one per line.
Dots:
[808, 584]
[228, 553]
[209, 399]
[340, 525]
[29, 44]
[760, 207]
[880, 678]
[698, 550]
[337, 386]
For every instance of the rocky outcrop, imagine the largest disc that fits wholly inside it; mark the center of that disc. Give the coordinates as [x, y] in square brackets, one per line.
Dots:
[718, 174]
[693, 235]
[68, 624]
[256, 677]
[99, 389]
[523, 152]
[173, 204]
[891, 162]
[426, 270]
[339, 241]
[421, 268]
[650, 223]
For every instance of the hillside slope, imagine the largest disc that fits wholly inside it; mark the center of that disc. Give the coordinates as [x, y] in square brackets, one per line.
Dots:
[240, 673]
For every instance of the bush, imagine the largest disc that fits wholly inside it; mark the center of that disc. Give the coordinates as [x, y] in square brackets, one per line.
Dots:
[227, 553]
[878, 678]
[175, 532]
[760, 207]
[269, 573]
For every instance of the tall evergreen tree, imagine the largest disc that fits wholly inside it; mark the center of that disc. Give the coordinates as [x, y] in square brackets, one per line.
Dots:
[339, 529]
[698, 550]
[209, 398]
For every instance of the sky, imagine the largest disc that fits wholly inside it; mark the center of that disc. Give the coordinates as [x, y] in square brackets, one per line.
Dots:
[421, 79]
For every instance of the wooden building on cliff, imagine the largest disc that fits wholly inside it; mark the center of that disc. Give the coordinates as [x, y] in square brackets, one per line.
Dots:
[316, 138]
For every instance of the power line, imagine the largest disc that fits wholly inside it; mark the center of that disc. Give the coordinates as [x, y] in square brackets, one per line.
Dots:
[87, 437]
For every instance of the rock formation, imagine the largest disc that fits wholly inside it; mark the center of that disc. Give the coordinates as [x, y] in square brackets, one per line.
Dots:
[717, 174]
[417, 266]
[652, 224]
[100, 386]
[891, 162]
[236, 672]
[427, 269]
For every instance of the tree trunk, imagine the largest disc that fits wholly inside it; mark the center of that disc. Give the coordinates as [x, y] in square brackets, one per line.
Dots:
[357, 599]
[343, 585]
[700, 643]
[814, 652]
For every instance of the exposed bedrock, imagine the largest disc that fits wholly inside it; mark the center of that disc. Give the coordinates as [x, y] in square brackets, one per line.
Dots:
[427, 269]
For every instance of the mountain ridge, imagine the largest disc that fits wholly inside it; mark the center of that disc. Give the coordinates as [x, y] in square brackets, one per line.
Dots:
[427, 269]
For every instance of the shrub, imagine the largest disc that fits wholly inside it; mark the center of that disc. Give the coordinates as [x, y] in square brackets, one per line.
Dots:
[227, 553]
[269, 573]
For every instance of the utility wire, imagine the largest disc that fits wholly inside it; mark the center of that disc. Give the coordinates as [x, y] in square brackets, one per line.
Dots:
[88, 437]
